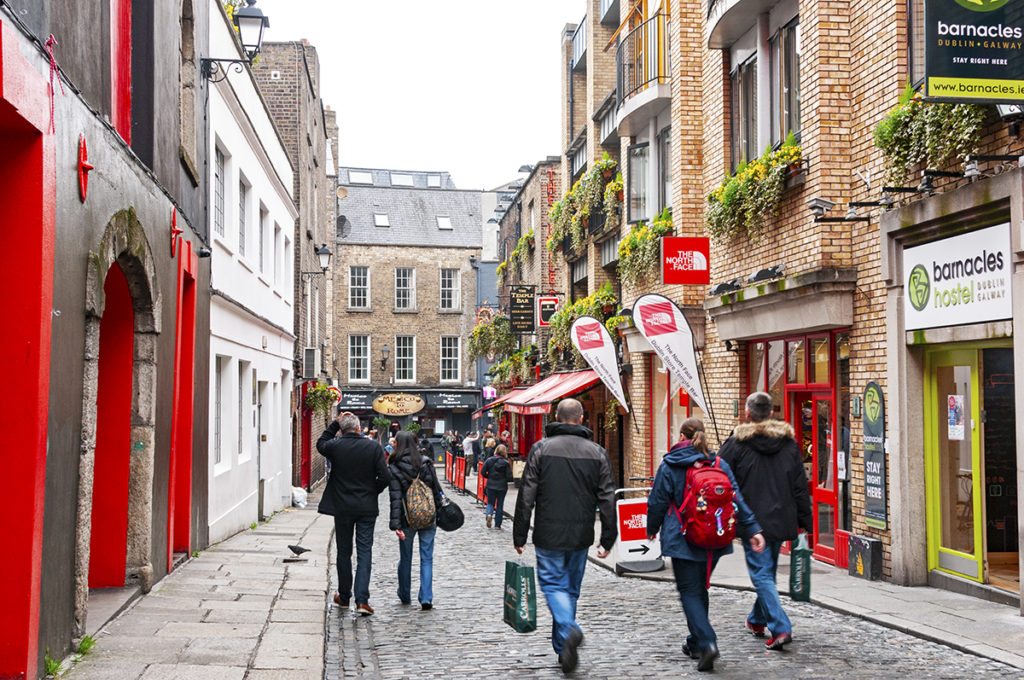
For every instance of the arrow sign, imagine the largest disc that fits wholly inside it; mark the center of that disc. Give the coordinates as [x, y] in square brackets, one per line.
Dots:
[643, 550]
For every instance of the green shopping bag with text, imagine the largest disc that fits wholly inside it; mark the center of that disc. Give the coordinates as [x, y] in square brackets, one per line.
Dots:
[520, 597]
[800, 570]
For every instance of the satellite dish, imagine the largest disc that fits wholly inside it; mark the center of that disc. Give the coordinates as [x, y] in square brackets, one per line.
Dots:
[342, 192]
[343, 225]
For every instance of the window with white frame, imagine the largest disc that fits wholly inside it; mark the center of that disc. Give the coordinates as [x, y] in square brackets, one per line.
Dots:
[579, 159]
[784, 56]
[358, 358]
[218, 408]
[218, 192]
[434, 181]
[450, 289]
[743, 90]
[450, 351]
[242, 371]
[638, 162]
[359, 287]
[360, 177]
[665, 169]
[278, 243]
[401, 179]
[405, 288]
[405, 358]
[243, 198]
[263, 236]
[444, 222]
[381, 220]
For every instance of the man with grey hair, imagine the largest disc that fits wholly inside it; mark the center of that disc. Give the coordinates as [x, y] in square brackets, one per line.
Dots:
[567, 475]
[765, 458]
[358, 474]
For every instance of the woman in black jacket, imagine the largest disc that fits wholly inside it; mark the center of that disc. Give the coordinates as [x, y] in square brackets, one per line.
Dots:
[405, 464]
[498, 474]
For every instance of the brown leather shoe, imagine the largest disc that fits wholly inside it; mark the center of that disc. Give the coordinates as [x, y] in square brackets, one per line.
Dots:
[338, 601]
[364, 610]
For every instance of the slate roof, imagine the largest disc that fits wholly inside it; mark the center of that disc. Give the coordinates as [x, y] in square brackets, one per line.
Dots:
[412, 215]
[382, 177]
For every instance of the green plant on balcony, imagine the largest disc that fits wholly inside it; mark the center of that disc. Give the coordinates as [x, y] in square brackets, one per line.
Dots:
[640, 249]
[598, 304]
[746, 201]
[570, 215]
[613, 194]
[916, 132]
[614, 323]
[319, 399]
[491, 337]
[501, 272]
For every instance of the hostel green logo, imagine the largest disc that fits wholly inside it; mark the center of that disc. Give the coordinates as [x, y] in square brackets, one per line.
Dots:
[981, 5]
[919, 287]
[872, 403]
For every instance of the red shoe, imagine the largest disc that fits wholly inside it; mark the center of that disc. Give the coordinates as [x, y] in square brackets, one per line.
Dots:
[777, 641]
[338, 601]
[756, 629]
[364, 610]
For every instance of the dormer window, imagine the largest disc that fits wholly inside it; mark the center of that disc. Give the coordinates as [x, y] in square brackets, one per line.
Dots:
[444, 222]
[400, 179]
[381, 220]
[360, 177]
[434, 181]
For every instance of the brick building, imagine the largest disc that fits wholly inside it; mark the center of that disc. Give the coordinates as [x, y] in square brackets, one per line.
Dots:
[407, 248]
[289, 77]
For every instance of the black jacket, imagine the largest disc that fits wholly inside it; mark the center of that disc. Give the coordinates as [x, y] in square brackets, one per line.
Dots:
[766, 461]
[566, 477]
[359, 473]
[497, 472]
[402, 474]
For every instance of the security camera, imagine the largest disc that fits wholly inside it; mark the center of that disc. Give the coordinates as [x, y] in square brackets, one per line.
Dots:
[820, 206]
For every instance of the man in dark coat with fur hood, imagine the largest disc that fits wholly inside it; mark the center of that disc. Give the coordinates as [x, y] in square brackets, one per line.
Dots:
[766, 460]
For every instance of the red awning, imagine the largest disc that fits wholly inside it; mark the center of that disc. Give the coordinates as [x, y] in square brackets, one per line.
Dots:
[537, 399]
[500, 400]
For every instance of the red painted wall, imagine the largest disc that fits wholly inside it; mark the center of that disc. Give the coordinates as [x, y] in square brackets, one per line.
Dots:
[121, 67]
[179, 510]
[304, 468]
[27, 192]
[108, 538]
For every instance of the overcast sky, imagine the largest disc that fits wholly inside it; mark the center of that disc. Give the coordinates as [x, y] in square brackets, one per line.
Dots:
[468, 86]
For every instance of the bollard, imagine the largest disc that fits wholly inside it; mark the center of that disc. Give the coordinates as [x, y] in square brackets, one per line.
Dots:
[481, 492]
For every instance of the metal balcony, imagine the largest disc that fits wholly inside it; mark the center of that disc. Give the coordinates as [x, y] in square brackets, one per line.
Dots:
[643, 57]
[579, 47]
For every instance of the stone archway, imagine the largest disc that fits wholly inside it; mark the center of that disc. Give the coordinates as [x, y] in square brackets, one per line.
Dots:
[123, 243]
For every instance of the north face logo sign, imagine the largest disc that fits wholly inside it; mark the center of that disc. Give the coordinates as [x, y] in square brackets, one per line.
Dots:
[658, 318]
[589, 336]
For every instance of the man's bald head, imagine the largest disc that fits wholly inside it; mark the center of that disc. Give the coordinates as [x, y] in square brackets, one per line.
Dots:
[569, 411]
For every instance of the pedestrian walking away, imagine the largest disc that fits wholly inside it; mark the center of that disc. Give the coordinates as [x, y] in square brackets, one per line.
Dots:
[412, 474]
[359, 472]
[566, 476]
[692, 565]
[498, 473]
[765, 458]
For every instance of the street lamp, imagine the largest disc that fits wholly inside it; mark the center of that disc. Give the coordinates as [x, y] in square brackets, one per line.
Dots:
[250, 22]
[385, 351]
[323, 257]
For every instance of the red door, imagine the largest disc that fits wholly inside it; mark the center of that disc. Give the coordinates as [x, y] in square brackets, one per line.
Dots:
[812, 416]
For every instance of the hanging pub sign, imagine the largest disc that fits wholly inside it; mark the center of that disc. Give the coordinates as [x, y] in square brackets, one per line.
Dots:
[400, 404]
[356, 401]
[958, 280]
[974, 50]
[546, 308]
[875, 506]
[684, 259]
[520, 308]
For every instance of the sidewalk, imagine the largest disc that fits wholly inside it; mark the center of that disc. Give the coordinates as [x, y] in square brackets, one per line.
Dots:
[965, 623]
[236, 611]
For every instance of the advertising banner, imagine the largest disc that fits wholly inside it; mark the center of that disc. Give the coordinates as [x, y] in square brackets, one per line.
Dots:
[662, 323]
[974, 50]
[520, 308]
[875, 506]
[356, 401]
[958, 280]
[546, 308]
[594, 342]
[684, 259]
[441, 400]
[400, 404]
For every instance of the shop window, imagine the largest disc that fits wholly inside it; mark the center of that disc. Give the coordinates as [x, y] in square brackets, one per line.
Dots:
[671, 406]
[819, 360]
[743, 89]
[638, 161]
[665, 168]
[795, 362]
[755, 367]
[784, 53]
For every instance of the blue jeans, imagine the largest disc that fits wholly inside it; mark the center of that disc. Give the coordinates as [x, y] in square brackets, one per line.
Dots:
[767, 609]
[691, 582]
[426, 593]
[496, 504]
[344, 526]
[559, 575]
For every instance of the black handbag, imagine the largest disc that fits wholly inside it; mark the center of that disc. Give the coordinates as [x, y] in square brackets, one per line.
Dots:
[449, 514]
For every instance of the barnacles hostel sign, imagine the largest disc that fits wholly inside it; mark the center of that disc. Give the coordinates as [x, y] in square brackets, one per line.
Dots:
[875, 506]
[959, 280]
[400, 404]
[974, 50]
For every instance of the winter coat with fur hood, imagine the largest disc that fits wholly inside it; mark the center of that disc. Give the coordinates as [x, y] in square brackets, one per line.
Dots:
[766, 461]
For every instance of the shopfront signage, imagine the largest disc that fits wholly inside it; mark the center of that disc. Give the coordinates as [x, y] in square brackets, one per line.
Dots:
[875, 506]
[958, 280]
[633, 545]
[546, 308]
[974, 50]
[400, 404]
[452, 400]
[520, 308]
[594, 342]
[662, 323]
[685, 259]
[356, 401]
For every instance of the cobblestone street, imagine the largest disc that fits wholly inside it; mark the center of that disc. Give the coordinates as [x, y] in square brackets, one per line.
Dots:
[634, 628]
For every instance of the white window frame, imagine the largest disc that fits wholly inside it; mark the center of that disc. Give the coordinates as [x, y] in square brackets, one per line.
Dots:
[366, 366]
[381, 220]
[366, 287]
[638, 193]
[413, 378]
[456, 290]
[402, 179]
[360, 177]
[444, 222]
[243, 213]
[218, 408]
[410, 288]
[219, 185]
[434, 181]
[457, 358]
[263, 237]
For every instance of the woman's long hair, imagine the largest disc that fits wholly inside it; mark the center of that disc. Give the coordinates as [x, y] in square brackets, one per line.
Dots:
[693, 429]
[501, 451]
[405, 446]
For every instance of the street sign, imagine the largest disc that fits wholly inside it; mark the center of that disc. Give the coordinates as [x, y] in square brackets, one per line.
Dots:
[632, 522]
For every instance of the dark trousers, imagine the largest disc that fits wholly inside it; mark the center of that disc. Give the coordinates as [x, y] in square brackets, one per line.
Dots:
[344, 528]
[496, 504]
[691, 582]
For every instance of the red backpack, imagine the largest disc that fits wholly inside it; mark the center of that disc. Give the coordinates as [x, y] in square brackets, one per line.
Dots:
[707, 517]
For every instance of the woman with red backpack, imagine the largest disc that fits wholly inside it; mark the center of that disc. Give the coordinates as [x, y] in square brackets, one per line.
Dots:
[696, 503]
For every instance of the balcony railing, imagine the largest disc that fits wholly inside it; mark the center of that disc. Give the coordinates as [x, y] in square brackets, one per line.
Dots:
[579, 45]
[610, 12]
[643, 57]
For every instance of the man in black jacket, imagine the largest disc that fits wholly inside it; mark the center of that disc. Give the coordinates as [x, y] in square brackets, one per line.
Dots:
[766, 460]
[358, 474]
[567, 475]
